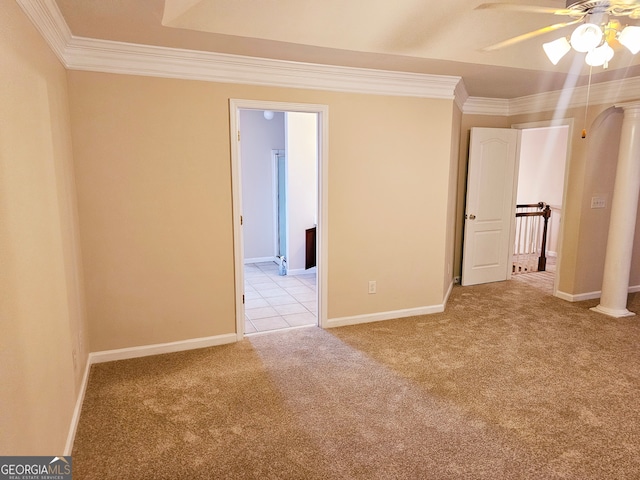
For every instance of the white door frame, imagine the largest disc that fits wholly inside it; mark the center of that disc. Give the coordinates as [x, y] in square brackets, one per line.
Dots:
[235, 105]
[543, 124]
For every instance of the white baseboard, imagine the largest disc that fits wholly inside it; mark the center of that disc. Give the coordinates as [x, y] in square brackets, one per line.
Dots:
[377, 317]
[589, 295]
[71, 436]
[160, 348]
[260, 260]
[449, 290]
[577, 297]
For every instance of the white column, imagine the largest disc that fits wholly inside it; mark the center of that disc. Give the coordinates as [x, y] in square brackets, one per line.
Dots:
[624, 209]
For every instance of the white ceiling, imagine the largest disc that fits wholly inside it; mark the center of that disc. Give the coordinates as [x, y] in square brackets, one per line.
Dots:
[424, 36]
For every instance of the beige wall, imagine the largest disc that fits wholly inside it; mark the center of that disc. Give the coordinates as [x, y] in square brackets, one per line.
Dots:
[591, 172]
[388, 192]
[154, 186]
[151, 165]
[153, 174]
[41, 310]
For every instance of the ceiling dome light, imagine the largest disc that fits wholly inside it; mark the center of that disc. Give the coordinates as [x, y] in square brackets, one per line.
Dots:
[268, 114]
[599, 56]
[557, 49]
[586, 37]
[630, 38]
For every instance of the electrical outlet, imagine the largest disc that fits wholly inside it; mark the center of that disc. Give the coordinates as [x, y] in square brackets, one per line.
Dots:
[372, 286]
[598, 202]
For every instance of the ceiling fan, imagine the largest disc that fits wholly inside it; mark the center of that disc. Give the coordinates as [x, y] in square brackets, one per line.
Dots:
[596, 35]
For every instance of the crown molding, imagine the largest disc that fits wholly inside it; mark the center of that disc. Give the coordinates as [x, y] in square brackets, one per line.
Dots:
[612, 92]
[486, 106]
[79, 53]
[126, 58]
[461, 95]
[635, 105]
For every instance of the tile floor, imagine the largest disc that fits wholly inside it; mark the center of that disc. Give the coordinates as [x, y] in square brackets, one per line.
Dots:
[274, 302]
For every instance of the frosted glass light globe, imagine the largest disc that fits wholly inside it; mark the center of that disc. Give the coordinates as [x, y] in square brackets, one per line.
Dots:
[586, 37]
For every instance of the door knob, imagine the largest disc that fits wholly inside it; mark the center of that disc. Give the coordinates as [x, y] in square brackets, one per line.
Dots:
[470, 217]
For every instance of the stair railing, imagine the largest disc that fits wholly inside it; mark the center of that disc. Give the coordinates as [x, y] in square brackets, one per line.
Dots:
[532, 221]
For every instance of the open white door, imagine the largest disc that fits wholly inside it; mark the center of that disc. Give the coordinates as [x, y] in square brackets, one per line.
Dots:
[490, 205]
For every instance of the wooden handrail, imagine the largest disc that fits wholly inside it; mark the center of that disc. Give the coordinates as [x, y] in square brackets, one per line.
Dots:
[540, 205]
[545, 213]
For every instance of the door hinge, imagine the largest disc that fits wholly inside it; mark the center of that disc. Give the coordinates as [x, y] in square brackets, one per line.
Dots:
[241, 220]
[243, 299]
[238, 135]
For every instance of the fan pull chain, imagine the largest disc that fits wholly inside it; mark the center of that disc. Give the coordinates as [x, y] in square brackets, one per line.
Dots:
[586, 107]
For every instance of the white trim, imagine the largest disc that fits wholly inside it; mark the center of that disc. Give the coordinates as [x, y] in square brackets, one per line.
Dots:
[322, 239]
[577, 297]
[574, 97]
[558, 122]
[75, 418]
[461, 95]
[267, 332]
[81, 53]
[127, 58]
[611, 312]
[486, 106]
[235, 105]
[448, 294]
[614, 92]
[236, 208]
[380, 316]
[160, 348]
[134, 352]
[589, 295]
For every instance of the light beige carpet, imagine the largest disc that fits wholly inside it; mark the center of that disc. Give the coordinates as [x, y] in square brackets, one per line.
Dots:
[507, 383]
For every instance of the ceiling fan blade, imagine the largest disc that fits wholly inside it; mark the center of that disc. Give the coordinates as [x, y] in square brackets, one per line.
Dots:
[524, 8]
[527, 36]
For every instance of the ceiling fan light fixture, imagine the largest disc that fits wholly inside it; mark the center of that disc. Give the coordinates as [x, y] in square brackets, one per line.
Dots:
[586, 37]
[630, 38]
[557, 49]
[599, 56]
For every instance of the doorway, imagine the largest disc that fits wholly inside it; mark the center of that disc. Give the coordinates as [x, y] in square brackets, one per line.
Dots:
[273, 289]
[490, 208]
[542, 174]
